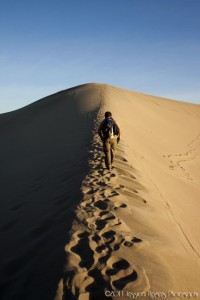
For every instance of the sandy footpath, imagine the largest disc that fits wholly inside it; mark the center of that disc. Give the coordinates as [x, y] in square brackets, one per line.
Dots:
[71, 229]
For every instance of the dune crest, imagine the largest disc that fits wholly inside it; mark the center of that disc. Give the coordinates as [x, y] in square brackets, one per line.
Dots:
[98, 252]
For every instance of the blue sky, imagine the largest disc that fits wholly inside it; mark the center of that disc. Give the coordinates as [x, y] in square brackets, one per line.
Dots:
[150, 46]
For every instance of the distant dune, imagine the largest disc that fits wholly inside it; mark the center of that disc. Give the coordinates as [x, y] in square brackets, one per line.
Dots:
[69, 228]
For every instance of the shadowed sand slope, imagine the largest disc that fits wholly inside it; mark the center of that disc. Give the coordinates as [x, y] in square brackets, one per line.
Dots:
[43, 161]
[72, 230]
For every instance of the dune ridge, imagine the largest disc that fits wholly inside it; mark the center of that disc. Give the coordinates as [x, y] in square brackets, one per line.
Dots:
[97, 257]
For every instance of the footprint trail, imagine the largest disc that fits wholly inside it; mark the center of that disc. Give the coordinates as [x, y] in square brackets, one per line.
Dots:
[96, 253]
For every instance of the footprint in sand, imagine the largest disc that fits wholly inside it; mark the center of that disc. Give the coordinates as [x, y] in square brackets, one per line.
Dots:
[8, 226]
[18, 206]
[119, 271]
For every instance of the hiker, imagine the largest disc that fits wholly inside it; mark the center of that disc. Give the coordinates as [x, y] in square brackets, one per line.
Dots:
[109, 133]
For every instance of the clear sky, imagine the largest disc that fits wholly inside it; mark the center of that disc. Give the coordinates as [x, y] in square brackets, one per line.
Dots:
[149, 46]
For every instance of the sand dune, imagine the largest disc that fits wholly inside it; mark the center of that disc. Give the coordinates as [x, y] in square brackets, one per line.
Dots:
[71, 230]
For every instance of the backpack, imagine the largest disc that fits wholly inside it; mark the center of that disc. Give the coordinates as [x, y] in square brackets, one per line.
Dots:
[110, 128]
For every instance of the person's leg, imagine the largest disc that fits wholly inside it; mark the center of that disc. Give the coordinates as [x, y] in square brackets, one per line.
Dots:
[107, 151]
[112, 148]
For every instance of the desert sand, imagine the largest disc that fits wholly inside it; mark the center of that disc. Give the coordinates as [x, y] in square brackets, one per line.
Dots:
[71, 229]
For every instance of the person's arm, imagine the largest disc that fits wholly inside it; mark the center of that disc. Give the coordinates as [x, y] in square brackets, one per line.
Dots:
[119, 134]
[100, 131]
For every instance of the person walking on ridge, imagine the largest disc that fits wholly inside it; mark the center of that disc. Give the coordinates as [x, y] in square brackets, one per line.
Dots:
[109, 133]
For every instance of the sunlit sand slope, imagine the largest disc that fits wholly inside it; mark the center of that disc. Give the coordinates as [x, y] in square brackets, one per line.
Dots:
[136, 228]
